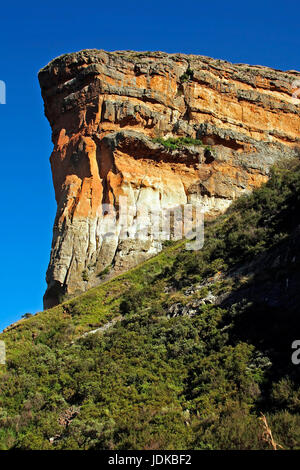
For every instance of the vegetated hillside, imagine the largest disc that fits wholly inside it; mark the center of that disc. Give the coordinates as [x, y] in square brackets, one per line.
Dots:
[194, 345]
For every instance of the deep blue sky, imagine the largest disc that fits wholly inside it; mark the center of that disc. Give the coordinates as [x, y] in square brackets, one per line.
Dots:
[32, 34]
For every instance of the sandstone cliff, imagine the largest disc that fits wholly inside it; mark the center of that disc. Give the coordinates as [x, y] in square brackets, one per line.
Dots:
[105, 110]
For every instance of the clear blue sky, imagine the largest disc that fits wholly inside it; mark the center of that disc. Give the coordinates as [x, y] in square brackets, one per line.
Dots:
[32, 34]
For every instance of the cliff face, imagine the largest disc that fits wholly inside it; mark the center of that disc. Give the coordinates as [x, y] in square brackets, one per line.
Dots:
[105, 109]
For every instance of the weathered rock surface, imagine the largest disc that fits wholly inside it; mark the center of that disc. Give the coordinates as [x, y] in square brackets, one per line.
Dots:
[104, 108]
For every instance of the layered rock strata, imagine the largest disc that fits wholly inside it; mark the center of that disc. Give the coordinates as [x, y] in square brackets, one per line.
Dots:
[107, 108]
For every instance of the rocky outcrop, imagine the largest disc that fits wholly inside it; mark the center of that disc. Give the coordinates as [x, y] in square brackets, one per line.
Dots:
[106, 108]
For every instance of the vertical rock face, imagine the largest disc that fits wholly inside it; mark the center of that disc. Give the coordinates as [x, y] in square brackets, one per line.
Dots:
[106, 108]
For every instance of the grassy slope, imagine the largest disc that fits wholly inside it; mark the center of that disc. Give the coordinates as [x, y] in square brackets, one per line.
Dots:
[155, 380]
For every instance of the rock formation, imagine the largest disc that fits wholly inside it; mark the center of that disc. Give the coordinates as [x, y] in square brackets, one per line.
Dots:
[107, 108]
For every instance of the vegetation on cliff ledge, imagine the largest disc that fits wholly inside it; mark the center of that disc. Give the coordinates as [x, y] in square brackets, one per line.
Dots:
[189, 363]
[174, 143]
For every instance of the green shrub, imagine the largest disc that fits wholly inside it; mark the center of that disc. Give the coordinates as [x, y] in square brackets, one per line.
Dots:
[174, 143]
[104, 272]
[188, 75]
